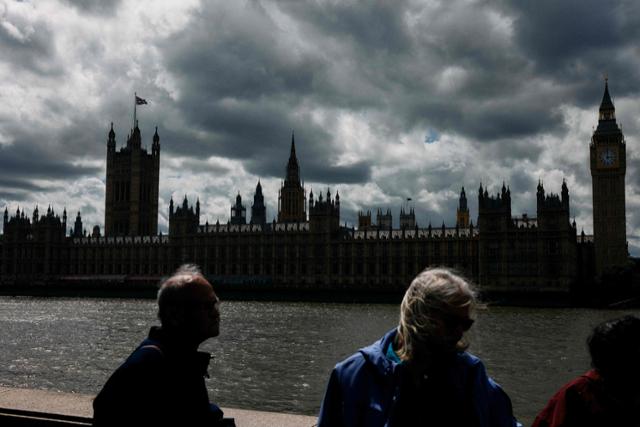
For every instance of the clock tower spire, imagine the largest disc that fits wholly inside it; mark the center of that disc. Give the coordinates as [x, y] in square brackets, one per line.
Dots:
[608, 168]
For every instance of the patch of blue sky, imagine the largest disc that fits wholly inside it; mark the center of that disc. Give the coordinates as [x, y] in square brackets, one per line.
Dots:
[432, 136]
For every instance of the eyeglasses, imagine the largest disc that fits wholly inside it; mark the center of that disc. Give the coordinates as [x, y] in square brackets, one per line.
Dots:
[451, 321]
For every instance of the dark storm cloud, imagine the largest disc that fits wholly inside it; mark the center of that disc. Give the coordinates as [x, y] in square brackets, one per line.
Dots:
[13, 196]
[247, 84]
[193, 164]
[97, 7]
[24, 185]
[24, 160]
[574, 41]
[271, 157]
[521, 183]
[249, 103]
[379, 25]
[219, 56]
[28, 47]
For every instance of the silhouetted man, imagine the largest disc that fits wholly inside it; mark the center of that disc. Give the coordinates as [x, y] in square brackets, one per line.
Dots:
[418, 374]
[608, 394]
[162, 381]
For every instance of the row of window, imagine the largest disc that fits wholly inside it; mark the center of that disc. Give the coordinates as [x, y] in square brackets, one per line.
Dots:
[344, 267]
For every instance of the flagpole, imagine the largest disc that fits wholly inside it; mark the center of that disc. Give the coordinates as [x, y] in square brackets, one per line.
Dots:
[135, 97]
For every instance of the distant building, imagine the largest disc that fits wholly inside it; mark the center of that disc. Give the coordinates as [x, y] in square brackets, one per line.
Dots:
[291, 199]
[526, 254]
[238, 212]
[258, 209]
[133, 176]
[503, 253]
[384, 221]
[608, 167]
[462, 214]
[364, 220]
[407, 219]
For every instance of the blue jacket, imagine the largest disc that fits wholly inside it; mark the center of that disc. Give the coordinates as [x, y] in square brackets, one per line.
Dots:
[364, 388]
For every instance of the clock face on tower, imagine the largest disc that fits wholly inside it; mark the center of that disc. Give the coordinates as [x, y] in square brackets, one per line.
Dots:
[607, 157]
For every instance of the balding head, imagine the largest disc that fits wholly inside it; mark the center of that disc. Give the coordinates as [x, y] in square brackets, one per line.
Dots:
[188, 305]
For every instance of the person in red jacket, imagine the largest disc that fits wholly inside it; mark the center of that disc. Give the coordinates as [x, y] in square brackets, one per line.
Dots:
[608, 394]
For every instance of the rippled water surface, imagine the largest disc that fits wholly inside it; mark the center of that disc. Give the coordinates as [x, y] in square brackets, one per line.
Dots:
[277, 356]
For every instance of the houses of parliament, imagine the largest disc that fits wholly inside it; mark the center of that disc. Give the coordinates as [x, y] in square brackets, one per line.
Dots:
[306, 247]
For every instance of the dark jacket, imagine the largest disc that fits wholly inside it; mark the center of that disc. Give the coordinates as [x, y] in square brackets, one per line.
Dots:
[364, 390]
[160, 383]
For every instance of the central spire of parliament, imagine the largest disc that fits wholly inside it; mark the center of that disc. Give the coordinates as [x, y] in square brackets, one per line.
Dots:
[291, 197]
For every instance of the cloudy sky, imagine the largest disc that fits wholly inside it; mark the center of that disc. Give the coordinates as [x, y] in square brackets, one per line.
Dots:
[388, 100]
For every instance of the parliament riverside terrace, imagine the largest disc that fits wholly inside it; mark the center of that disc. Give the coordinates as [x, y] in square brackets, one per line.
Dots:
[306, 248]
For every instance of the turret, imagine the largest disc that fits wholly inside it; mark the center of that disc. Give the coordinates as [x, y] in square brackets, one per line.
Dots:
[291, 197]
[407, 219]
[384, 221]
[494, 212]
[155, 147]
[565, 194]
[607, 110]
[540, 193]
[183, 220]
[463, 200]
[462, 214]
[111, 141]
[77, 226]
[324, 215]
[364, 220]
[258, 209]
[293, 169]
[238, 212]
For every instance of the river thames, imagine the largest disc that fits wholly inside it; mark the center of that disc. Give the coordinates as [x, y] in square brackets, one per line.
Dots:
[277, 356]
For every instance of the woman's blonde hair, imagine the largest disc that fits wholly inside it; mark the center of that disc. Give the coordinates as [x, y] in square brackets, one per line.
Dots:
[432, 293]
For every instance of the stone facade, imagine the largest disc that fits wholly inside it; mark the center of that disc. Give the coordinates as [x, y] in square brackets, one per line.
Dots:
[133, 176]
[541, 253]
[608, 162]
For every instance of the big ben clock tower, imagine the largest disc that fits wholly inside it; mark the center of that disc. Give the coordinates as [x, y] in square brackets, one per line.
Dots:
[608, 167]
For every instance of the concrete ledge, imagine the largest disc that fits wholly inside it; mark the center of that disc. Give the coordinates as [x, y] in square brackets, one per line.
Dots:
[26, 407]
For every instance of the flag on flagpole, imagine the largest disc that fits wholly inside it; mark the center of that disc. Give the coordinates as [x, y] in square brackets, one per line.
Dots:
[140, 101]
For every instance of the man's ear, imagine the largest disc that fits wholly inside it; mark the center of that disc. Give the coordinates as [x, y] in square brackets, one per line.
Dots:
[175, 317]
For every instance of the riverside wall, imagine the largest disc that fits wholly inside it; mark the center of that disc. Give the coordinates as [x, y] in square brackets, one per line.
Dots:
[27, 407]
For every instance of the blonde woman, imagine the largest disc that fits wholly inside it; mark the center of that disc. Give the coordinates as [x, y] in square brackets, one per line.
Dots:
[419, 373]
